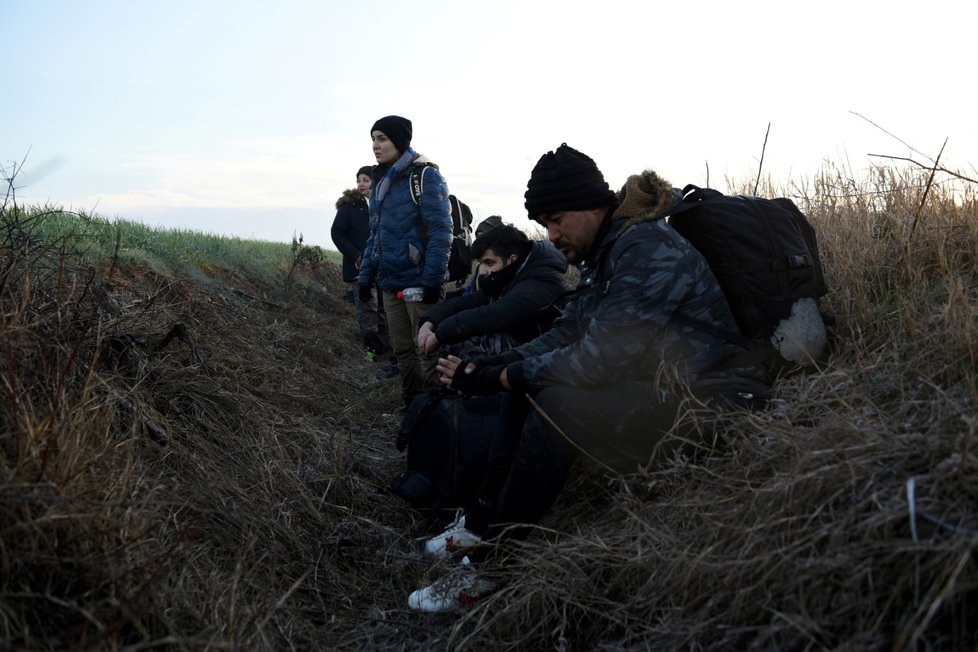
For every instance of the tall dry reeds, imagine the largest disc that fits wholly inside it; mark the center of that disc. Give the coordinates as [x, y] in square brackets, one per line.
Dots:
[175, 466]
[195, 465]
[843, 517]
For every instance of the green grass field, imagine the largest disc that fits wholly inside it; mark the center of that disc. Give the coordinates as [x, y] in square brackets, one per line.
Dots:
[179, 249]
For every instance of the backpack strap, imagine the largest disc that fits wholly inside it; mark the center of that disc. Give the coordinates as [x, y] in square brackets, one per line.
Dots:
[417, 183]
[455, 210]
[693, 195]
[692, 192]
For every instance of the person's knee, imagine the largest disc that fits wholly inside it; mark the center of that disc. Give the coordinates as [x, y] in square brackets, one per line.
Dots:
[549, 399]
[542, 443]
[561, 408]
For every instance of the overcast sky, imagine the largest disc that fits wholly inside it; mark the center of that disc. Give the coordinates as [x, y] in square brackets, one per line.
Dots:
[250, 118]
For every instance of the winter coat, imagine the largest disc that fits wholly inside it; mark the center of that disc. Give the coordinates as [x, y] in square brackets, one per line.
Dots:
[516, 312]
[408, 244]
[350, 230]
[621, 324]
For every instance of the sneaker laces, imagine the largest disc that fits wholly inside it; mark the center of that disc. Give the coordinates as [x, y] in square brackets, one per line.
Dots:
[460, 587]
[457, 523]
[454, 538]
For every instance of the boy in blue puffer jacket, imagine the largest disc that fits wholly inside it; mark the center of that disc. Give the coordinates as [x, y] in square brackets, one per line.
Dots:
[408, 247]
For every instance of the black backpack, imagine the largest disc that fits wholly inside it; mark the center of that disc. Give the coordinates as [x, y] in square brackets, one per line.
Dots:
[448, 438]
[460, 257]
[763, 252]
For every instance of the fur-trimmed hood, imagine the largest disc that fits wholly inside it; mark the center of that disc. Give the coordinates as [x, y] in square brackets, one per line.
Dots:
[349, 197]
[643, 198]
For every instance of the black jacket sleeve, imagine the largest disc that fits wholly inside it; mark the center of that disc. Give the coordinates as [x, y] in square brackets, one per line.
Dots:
[518, 306]
[446, 310]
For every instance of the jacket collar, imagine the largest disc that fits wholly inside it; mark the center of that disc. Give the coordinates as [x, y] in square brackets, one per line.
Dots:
[607, 234]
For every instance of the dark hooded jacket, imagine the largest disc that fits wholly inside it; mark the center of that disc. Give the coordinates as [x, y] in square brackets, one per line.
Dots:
[521, 308]
[621, 325]
[350, 230]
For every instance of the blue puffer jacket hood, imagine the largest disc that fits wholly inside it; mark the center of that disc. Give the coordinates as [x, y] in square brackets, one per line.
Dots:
[408, 244]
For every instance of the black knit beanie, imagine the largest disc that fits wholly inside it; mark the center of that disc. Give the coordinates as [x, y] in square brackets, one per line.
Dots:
[488, 224]
[566, 180]
[366, 169]
[396, 128]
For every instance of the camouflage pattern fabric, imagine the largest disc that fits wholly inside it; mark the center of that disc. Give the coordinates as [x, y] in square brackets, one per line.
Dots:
[483, 344]
[619, 326]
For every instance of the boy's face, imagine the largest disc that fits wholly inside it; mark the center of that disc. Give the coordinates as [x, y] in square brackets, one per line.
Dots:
[490, 262]
[384, 150]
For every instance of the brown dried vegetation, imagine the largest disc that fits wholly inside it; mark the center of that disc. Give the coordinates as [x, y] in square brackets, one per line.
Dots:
[223, 487]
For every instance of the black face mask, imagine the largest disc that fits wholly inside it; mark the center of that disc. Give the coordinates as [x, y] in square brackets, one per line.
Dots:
[496, 282]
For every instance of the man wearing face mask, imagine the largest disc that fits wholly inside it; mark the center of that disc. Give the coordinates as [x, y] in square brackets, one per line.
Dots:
[520, 286]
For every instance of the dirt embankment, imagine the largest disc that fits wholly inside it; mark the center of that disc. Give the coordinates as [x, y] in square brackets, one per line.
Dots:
[194, 460]
[200, 462]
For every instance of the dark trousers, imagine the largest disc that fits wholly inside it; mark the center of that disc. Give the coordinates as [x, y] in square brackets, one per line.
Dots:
[622, 426]
[370, 317]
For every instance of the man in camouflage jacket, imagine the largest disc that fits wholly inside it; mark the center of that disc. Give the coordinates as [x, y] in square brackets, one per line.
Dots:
[612, 375]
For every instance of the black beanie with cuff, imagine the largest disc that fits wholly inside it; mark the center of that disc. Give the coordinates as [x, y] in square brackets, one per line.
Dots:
[566, 180]
[396, 128]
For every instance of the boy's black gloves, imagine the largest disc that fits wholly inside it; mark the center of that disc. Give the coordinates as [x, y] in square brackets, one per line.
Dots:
[365, 294]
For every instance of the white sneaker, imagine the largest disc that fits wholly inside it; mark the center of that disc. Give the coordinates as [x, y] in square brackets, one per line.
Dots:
[455, 539]
[460, 588]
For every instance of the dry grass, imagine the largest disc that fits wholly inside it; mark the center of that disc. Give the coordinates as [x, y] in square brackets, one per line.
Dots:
[226, 490]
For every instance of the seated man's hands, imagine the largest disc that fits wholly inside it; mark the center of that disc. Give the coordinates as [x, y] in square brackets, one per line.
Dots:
[427, 340]
[446, 368]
